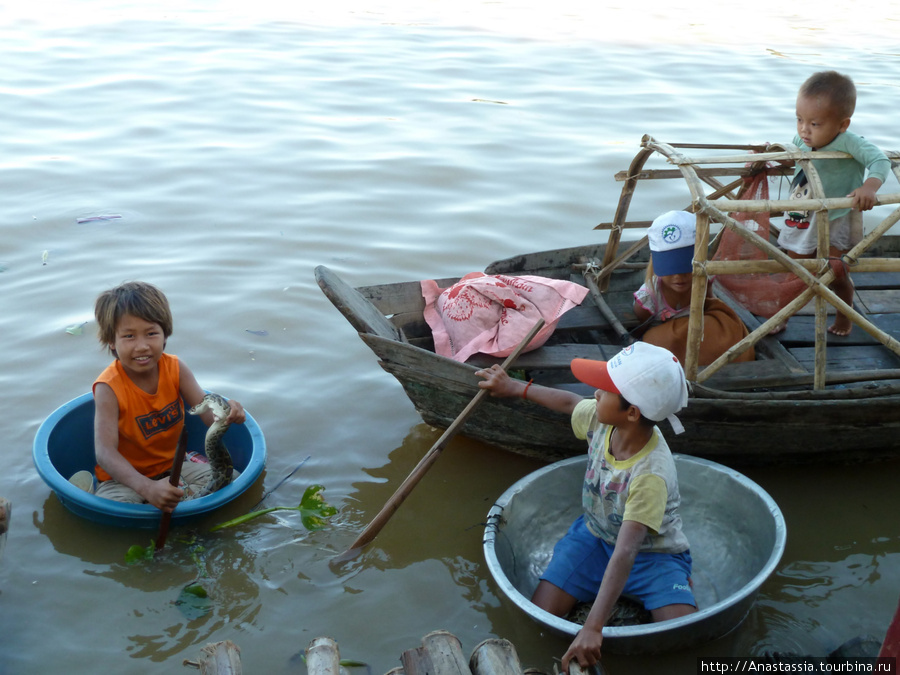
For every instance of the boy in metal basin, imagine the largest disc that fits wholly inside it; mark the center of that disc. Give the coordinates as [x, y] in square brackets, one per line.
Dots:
[629, 539]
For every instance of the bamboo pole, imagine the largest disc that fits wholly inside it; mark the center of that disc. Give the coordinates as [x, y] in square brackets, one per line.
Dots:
[663, 174]
[630, 225]
[749, 147]
[607, 311]
[718, 267]
[495, 656]
[786, 155]
[446, 652]
[791, 308]
[406, 487]
[791, 264]
[769, 205]
[698, 289]
[698, 299]
[716, 209]
[615, 233]
[323, 657]
[720, 190]
[823, 245]
[757, 334]
[440, 654]
[823, 249]
[218, 658]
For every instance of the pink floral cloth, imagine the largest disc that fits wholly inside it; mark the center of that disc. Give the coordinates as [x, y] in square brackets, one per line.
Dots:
[493, 314]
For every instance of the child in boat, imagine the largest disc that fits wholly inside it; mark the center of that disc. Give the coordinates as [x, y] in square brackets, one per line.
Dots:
[629, 539]
[664, 300]
[825, 104]
[139, 401]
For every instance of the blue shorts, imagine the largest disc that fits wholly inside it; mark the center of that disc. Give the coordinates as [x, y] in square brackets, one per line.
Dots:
[580, 559]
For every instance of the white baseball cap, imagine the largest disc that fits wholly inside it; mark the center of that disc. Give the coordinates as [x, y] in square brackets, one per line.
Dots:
[672, 237]
[648, 376]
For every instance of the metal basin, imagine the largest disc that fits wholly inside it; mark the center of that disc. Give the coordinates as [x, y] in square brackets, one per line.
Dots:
[736, 531]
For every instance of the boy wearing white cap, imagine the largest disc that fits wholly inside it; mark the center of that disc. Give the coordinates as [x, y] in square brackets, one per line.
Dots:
[629, 539]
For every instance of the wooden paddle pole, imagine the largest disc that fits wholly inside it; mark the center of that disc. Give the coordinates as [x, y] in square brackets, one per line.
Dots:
[174, 477]
[425, 463]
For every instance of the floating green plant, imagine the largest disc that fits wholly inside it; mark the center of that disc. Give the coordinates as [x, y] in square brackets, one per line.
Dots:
[194, 601]
[138, 553]
[313, 508]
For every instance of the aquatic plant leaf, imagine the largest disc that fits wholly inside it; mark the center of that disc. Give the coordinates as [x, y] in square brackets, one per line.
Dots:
[312, 507]
[196, 590]
[137, 553]
[194, 602]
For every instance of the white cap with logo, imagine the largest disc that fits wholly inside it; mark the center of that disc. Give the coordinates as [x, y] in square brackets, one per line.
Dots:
[671, 238]
[648, 376]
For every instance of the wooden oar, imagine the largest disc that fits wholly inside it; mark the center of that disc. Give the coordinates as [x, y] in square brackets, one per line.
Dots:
[174, 476]
[425, 463]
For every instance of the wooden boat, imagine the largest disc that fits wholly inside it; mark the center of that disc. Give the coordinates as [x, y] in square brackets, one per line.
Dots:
[808, 395]
[64, 445]
[736, 530]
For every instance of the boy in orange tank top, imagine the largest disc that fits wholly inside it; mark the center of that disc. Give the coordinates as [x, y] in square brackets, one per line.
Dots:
[140, 400]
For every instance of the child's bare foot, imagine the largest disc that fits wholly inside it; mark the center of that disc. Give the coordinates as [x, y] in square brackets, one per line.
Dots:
[841, 326]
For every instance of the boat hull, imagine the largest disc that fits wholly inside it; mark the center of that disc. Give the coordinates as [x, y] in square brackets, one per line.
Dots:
[64, 444]
[735, 431]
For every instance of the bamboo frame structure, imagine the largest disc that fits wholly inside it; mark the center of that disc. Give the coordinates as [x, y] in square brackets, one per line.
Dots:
[716, 207]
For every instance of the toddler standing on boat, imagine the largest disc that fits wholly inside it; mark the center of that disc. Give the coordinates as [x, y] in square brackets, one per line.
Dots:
[825, 104]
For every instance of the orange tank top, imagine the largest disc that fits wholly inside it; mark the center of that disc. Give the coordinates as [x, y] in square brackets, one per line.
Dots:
[149, 424]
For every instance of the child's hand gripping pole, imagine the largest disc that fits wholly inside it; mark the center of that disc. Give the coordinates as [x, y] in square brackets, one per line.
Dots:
[174, 477]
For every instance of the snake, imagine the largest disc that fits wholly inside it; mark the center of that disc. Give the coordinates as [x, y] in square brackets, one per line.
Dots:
[626, 612]
[216, 452]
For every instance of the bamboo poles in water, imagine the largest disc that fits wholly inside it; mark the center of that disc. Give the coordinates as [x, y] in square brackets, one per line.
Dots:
[439, 654]
[816, 273]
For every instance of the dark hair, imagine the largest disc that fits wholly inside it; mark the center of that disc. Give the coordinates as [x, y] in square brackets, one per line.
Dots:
[624, 404]
[837, 89]
[138, 298]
